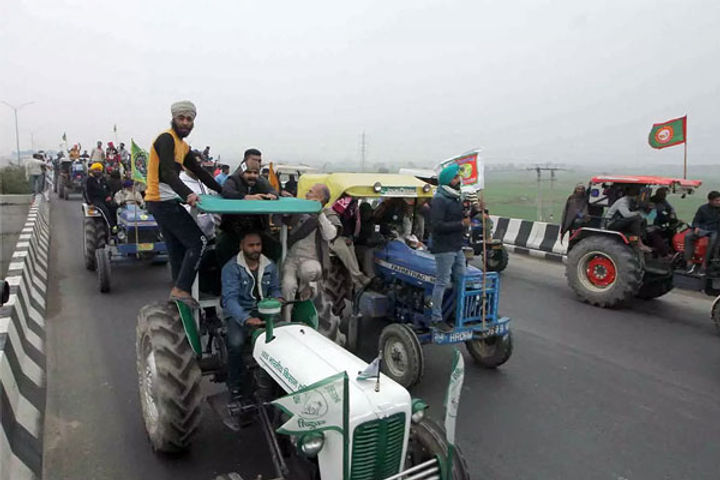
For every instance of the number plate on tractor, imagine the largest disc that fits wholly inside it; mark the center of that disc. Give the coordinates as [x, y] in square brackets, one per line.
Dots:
[144, 247]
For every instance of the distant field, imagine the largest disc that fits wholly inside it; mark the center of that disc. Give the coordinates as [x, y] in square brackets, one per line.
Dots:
[513, 193]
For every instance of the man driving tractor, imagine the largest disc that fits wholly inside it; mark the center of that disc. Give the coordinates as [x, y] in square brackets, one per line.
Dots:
[98, 193]
[246, 279]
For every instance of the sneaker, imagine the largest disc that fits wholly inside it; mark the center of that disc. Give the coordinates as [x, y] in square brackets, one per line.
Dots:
[441, 327]
[691, 269]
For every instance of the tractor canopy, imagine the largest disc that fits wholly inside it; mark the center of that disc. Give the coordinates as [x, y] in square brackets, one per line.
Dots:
[367, 185]
[650, 181]
[283, 205]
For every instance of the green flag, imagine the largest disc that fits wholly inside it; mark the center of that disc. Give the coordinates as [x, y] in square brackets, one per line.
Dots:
[667, 134]
[138, 162]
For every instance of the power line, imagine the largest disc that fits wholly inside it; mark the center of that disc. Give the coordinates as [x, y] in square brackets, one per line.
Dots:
[539, 169]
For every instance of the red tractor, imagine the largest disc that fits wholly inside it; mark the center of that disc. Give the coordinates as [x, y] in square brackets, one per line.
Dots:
[608, 268]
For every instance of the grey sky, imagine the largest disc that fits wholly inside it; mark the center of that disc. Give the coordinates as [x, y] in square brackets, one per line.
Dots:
[564, 81]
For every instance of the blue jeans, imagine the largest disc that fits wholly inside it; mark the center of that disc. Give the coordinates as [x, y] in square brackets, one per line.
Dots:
[36, 183]
[446, 263]
[236, 336]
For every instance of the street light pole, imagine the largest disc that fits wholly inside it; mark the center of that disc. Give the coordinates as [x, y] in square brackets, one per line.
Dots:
[17, 130]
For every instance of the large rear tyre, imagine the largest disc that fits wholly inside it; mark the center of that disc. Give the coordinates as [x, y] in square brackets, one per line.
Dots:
[402, 356]
[89, 243]
[102, 260]
[428, 440]
[497, 259]
[604, 272]
[491, 352]
[655, 287]
[169, 379]
[715, 313]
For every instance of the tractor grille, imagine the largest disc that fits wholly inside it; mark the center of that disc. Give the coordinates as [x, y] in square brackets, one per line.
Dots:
[377, 448]
[144, 235]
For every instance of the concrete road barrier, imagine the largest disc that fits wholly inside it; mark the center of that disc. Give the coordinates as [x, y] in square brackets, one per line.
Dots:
[539, 239]
[22, 350]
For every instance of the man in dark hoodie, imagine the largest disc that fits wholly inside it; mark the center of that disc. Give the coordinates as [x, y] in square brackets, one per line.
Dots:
[448, 223]
[705, 224]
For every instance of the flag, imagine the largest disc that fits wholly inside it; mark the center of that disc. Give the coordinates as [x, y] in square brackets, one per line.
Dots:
[138, 162]
[371, 371]
[64, 137]
[452, 397]
[321, 406]
[667, 134]
[472, 171]
[273, 178]
[115, 128]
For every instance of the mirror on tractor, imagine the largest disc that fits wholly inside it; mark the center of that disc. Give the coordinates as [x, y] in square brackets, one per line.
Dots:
[5, 293]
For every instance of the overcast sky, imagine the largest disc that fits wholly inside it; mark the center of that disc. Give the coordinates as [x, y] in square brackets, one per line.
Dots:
[530, 81]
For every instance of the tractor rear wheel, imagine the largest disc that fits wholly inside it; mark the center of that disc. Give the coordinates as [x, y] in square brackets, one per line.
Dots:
[604, 272]
[169, 379]
[89, 243]
[497, 259]
[402, 356]
[427, 441]
[491, 352]
[102, 260]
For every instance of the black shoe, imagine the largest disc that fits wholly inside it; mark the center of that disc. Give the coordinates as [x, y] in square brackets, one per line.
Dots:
[691, 269]
[441, 327]
[239, 411]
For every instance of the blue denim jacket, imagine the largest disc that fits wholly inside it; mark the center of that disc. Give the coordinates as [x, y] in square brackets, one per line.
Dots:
[238, 301]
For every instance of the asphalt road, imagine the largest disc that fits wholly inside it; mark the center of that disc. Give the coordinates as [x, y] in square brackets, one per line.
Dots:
[589, 393]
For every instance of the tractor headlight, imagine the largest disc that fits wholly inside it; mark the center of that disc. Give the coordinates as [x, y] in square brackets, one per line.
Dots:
[310, 444]
[377, 187]
[418, 410]
[121, 235]
[426, 188]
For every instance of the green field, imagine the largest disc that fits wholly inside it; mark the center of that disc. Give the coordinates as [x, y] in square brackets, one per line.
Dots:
[514, 193]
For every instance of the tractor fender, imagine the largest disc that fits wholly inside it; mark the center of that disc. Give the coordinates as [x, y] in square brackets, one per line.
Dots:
[90, 211]
[583, 232]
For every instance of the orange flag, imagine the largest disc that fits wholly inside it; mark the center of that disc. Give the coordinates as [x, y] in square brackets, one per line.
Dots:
[274, 181]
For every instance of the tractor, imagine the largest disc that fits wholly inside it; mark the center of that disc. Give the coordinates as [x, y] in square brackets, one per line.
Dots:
[73, 174]
[403, 275]
[606, 268]
[136, 238]
[380, 433]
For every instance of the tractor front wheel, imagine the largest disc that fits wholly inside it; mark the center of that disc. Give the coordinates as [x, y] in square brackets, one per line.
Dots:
[169, 379]
[491, 352]
[497, 259]
[427, 441]
[655, 287]
[402, 356]
[715, 313]
[603, 271]
[102, 260]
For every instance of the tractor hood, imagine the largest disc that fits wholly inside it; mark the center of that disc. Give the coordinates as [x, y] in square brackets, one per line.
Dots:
[132, 215]
[400, 260]
[299, 356]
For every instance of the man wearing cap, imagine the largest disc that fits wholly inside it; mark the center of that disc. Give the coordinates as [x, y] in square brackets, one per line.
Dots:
[448, 223]
[169, 154]
[97, 193]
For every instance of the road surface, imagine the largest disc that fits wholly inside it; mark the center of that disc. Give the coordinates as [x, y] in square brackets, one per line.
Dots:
[589, 393]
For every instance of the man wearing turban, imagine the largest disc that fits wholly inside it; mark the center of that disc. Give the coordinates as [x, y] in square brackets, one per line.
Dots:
[165, 192]
[448, 223]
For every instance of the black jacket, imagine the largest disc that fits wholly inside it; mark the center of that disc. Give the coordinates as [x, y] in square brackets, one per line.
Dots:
[236, 187]
[96, 190]
[707, 217]
[446, 215]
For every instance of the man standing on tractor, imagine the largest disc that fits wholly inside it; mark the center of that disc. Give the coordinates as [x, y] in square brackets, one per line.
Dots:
[448, 222]
[185, 241]
[623, 216]
[308, 247]
[246, 279]
[348, 212]
[705, 224]
[98, 193]
[97, 154]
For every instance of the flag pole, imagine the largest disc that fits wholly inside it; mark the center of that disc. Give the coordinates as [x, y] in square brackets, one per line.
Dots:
[685, 161]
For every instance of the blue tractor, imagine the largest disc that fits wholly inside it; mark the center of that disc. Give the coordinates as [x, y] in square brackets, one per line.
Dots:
[401, 290]
[136, 238]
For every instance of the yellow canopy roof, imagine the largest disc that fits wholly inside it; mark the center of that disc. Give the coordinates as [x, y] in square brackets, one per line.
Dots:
[362, 185]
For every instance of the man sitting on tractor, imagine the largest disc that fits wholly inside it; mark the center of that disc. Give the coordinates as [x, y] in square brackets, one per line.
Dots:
[128, 195]
[246, 279]
[97, 193]
[623, 216]
[705, 224]
[308, 244]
